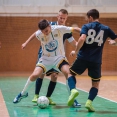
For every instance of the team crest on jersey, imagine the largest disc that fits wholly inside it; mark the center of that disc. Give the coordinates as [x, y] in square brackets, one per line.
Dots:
[51, 46]
[56, 35]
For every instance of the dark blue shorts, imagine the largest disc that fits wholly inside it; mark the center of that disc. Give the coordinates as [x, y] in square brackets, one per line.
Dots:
[94, 69]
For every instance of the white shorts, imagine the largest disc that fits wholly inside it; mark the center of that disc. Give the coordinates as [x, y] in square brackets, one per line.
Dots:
[48, 63]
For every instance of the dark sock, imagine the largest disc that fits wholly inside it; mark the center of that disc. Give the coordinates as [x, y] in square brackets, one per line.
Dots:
[38, 85]
[72, 82]
[51, 88]
[92, 93]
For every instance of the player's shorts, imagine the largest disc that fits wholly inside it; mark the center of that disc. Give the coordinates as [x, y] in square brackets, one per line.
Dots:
[94, 69]
[48, 63]
[51, 71]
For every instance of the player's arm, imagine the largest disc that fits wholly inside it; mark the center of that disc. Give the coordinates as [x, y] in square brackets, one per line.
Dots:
[33, 36]
[66, 29]
[112, 42]
[79, 44]
[113, 37]
[76, 29]
[72, 41]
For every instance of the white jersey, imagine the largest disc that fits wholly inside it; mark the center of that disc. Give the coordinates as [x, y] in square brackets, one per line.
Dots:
[52, 45]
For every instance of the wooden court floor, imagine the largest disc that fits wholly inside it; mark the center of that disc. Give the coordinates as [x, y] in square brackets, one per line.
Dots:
[105, 104]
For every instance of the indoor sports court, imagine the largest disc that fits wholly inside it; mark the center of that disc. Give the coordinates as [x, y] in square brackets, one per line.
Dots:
[18, 21]
[105, 104]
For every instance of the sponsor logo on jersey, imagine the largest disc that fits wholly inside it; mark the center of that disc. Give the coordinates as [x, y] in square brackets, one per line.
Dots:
[51, 46]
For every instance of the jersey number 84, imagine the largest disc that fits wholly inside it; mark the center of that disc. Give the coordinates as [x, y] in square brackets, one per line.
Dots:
[91, 37]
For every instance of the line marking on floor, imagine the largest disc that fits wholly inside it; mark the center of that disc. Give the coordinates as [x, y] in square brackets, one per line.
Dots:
[88, 92]
[3, 108]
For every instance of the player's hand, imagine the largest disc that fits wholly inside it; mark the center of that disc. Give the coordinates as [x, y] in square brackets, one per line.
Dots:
[23, 45]
[112, 42]
[73, 53]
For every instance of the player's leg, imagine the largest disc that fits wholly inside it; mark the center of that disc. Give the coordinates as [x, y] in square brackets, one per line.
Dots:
[52, 85]
[92, 94]
[77, 68]
[38, 85]
[76, 104]
[37, 72]
[39, 80]
[64, 67]
[95, 73]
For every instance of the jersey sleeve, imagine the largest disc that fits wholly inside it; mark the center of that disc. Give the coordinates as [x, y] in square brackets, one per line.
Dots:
[111, 34]
[68, 36]
[65, 29]
[84, 30]
[37, 34]
[53, 23]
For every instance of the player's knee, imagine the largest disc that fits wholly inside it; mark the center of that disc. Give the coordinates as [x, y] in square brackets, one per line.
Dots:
[54, 77]
[95, 83]
[34, 76]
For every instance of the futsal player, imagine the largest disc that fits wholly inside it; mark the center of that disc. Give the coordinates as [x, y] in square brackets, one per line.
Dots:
[89, 52]
[53, 56]
[62, 17]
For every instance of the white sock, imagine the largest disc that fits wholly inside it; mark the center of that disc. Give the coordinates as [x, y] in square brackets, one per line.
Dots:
[27, 86]
[68, 87]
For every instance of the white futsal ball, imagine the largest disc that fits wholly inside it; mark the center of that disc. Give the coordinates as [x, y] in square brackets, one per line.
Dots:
[43, 102]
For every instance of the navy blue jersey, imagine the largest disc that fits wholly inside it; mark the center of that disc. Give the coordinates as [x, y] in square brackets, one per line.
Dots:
[65, 36]
[92, 48]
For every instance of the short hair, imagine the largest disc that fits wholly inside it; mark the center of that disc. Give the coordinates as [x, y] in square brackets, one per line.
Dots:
[64, 11]
[43, 24]
[93, 13]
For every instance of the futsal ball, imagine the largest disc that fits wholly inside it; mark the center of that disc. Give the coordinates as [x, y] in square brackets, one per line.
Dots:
[42, 102]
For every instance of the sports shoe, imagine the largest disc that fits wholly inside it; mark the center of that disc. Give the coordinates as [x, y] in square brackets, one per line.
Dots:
[50, 101]
[89, 106]
[19, 97]
[35, 98]
[74, 94]
[76, 104]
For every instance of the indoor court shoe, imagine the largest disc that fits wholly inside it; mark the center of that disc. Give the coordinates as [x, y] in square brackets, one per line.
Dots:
[35, 98]
[74, 94]
[50, 101]
[19, 97]
[89, 106]
[76, 104]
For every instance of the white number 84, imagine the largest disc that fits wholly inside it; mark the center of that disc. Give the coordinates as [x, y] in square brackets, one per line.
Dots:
[91, 34]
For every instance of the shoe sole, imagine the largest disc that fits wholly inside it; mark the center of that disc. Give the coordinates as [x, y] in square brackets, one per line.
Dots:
[78, 106]
[20, 99]
[89, 109]
[71, 101]
[34, 101]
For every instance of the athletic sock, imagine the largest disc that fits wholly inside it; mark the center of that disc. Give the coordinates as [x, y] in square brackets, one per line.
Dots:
[51, 88]
[27, 86]
[92, 93]
[72, 82]
[38, 85]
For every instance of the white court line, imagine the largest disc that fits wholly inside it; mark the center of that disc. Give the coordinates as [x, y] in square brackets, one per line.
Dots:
[88, 92]
[3, 108]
